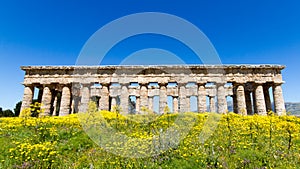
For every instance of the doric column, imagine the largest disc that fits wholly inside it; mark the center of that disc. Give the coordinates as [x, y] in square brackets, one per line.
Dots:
[137, 105]
[162, 97]
[85, 98]
[260, 100]
[201, 97]
[72, 106]
[46, 101]
[104, 98]
[124, 98]
[278, 100]
[27, 97]
[188, 103]
[150, 103]
[254, 102]
[212, 104]
[113, 102]
[248, 103]
[241, 100]
[234, 100]
[144, 95]
[40, 94]
[182, 97]
[54, 106]
[267, 98]
[222, 102]
[65, 101]
[175, 104]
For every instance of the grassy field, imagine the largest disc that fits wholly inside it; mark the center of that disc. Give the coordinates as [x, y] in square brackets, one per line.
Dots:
[187, 140]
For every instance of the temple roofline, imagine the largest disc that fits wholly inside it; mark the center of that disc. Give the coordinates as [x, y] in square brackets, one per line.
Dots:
[72, 67]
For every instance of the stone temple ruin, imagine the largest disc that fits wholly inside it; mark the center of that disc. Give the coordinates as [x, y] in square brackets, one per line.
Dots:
[64, 90]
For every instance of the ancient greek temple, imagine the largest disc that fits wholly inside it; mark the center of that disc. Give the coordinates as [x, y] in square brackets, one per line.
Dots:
[63, 90]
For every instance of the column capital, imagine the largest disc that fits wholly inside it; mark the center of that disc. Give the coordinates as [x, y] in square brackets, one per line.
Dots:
[180, 84]
[124, 83]
[238, 83]
[201, 83]
[220, 83]
[162, 84]
[259, 82]
[28, 85]
[105, 84]
[277, 83]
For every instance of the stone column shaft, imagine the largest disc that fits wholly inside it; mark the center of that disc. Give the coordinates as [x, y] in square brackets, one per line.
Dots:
[85, 98]
[175, 104]
[113, 103]
[278, 100]
[144, 95]
[212, 104]
[40, 94]
[241, 100]
[260, 100]
[234, 99]
[254, 102]
[104, 98]
[162, 98]
[54, 106]
[137, 105]
[222, 102]
[182, 98]
[65, 101]
[27, 97]
[188, 103]
[124, 99]
[267, 99]
[201, 98]
[72, 106]
[248, 103]
[46, 101]
[151, 103]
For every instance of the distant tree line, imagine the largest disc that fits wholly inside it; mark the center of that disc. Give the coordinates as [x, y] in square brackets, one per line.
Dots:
[10, 113]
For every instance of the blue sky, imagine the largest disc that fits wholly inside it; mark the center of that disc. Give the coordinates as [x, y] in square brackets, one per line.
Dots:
[52, 32]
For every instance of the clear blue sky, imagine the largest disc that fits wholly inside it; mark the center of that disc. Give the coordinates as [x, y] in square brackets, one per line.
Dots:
[52, 32]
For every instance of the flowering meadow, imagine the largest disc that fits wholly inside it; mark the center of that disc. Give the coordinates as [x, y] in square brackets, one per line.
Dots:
[183, 140]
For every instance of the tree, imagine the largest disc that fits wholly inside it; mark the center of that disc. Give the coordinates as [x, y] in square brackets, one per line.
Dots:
[17, 108]
[6, 113]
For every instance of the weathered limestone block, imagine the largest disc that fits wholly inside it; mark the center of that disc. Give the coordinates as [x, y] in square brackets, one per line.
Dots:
[260, 100]
[201, 98]
[222, 102]
[65, 101]
[241, 100]
[278, 100]
[27, 97]
[46, 101]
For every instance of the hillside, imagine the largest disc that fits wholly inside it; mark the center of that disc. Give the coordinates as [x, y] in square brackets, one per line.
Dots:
[294, 108]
